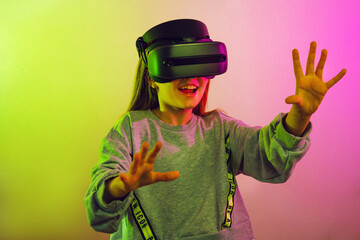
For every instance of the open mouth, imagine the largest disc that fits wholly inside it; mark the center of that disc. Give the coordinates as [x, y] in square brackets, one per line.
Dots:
[189, 90]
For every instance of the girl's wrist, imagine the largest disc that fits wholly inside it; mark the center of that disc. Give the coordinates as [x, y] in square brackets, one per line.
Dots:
[113, 191]
[296, 123]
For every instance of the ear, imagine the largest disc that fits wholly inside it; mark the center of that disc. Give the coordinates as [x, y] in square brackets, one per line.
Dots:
[151, 82]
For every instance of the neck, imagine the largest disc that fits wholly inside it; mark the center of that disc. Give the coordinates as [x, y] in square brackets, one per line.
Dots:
[175, 117]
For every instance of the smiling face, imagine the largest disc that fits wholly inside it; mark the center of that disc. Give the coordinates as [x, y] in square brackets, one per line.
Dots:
[180, 94]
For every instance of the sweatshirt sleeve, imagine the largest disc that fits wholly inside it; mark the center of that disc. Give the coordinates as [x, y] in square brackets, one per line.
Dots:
[115, 157]
[269, 153]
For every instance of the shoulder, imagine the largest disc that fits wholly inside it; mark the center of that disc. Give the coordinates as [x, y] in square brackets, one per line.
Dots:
[126, 121]
[132, 116]
[214, 118]
[138, 115]
[227, 122]
[219, 115]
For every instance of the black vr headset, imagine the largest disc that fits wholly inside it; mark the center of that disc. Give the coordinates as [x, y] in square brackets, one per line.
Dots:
[181, 49]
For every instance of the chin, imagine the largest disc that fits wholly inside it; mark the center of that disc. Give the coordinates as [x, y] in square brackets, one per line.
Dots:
[190, 106]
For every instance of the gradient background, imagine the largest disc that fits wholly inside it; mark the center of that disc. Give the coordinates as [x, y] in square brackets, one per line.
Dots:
[67, 70]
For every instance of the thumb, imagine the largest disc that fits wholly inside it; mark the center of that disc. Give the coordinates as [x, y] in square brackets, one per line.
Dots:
[166, 177]
[294, 99]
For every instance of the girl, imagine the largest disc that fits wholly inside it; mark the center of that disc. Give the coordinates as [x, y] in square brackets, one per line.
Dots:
[185, 186]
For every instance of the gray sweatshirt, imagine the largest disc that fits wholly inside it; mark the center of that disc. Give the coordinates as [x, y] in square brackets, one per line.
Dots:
[204, 202]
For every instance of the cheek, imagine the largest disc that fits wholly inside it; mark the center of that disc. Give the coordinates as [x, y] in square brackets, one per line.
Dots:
[201, 93]
[166, 92]
[203, 89]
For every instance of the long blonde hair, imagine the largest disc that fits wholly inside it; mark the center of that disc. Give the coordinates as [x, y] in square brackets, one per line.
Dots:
[145, 97]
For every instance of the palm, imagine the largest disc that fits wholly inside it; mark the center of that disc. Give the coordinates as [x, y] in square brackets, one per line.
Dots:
[310, 88]
[143, 176]
[141, 169]
[311, 99]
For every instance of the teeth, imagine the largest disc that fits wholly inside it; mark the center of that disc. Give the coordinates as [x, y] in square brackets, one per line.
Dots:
[189, 87]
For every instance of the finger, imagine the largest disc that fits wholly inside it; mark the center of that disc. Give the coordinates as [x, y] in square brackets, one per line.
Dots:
[143, 151]
[125, 179]
[297, 65]
[311, 59]
[321, 64]
[337, 78]
[294, 99]
[166, 177]
[135, 164]
[153, 153]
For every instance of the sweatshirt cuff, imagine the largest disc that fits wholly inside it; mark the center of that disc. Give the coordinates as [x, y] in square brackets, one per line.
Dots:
[287, 139]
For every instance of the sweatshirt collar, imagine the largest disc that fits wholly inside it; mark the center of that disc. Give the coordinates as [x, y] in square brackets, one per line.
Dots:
[165, 125]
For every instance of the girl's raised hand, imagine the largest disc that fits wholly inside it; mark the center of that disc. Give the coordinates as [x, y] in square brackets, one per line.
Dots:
[140, 173]
[310, 88]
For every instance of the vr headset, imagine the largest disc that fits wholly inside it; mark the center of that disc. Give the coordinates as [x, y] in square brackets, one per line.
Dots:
[181, 49]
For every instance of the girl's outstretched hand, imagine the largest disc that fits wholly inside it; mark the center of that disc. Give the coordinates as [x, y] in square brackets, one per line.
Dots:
[310, 88]
[140, 173]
